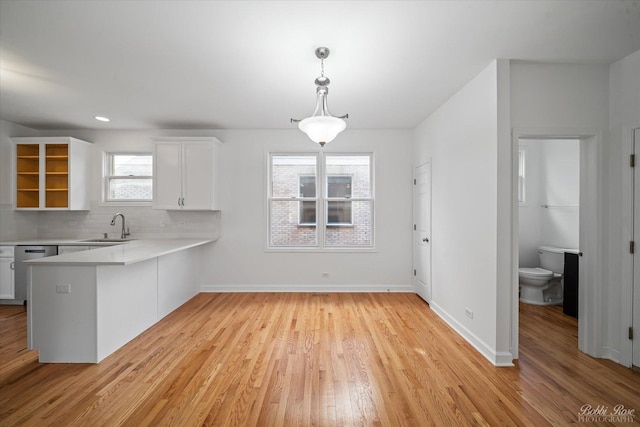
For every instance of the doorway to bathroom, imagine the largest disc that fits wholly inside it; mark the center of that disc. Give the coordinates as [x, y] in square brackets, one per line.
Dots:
[562, 211]
[549, 221]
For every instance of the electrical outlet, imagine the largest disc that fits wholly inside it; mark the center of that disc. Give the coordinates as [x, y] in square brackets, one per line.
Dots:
[163, 223]
[63, 289]
[468, 312]
[325, 275]
[182, 223]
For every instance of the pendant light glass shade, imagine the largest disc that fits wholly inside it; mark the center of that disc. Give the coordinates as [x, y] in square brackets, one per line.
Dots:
[321, 127]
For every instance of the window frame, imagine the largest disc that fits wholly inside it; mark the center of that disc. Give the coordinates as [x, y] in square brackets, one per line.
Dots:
[107, 161]
[300, 208]
[522, 176]
[321, 201]
[338, 200]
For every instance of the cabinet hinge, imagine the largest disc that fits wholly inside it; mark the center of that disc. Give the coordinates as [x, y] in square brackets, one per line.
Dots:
[414, 227]
[414, 272]
[632, 247]
[630, 333]
[414, 181]
[632, 160]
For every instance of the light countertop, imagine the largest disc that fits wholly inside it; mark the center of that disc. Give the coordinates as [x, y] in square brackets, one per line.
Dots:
[56, 242]
[119, 253]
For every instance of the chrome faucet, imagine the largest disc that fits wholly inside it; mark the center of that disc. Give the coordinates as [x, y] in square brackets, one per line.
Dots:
[124, 233]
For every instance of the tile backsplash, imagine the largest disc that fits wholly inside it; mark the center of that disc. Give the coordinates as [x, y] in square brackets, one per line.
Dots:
[17, 224]
[143, 223]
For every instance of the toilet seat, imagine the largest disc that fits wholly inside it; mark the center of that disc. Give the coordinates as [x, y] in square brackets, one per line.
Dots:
[537, 272]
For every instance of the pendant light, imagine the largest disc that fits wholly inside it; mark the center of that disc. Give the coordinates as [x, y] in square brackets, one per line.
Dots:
[321, 127]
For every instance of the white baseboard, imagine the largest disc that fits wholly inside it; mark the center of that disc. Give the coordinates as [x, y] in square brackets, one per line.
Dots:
[501, 358]
[610, 353]
[307, 288]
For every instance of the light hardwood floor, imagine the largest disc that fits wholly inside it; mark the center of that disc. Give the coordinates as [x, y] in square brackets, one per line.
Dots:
[312, 359]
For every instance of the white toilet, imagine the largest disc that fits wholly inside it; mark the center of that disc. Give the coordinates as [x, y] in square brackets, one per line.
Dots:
[543, 285]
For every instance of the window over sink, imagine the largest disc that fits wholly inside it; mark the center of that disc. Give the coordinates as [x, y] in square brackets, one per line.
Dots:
[128, 178]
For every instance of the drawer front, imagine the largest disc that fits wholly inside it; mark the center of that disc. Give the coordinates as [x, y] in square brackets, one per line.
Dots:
[6, 251]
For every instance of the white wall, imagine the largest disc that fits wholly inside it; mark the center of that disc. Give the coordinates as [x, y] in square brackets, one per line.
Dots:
[624, 115]
[561, 192]
[144, 222]
[12, 224]
[239, 262]
[461, 140]
[573, 99]
[552, 179]
[530, 224]
[472, 222]
[547, 96]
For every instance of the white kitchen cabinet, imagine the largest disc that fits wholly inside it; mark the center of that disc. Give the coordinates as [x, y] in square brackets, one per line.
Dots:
[52, 173]
[186, 173]
[7, 265]
[112, 299]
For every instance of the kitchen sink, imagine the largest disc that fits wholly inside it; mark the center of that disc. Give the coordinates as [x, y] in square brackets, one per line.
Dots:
[107, 240]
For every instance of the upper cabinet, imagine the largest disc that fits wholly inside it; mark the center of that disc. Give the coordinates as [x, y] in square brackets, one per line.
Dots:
[52, 173]
[186, 173]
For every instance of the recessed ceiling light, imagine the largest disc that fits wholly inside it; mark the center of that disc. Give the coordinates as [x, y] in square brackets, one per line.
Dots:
[102, 119]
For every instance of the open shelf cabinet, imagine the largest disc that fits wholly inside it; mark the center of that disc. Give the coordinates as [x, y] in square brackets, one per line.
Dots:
[52, 173]
[57, 176]
[27, 175]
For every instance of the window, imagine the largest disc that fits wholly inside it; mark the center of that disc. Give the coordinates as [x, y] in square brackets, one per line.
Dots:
[521, 175]
[338, 212]
[340, 186]
[307, 215]
[128, 177]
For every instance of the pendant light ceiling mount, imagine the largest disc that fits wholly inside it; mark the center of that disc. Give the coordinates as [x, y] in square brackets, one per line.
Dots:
[321, 126]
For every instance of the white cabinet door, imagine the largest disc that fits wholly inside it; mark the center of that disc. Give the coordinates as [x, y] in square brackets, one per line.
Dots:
[7, 288]
[167, 175]
[197, 175]
[185, 173]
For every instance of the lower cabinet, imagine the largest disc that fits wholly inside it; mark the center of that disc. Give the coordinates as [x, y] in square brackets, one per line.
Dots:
[107, 306]
[7, 266]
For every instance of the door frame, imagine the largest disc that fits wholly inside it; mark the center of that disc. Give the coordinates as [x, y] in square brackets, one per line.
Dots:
[627, 275]
[589, 309]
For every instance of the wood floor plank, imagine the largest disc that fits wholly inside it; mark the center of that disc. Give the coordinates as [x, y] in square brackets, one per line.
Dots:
[322, 359]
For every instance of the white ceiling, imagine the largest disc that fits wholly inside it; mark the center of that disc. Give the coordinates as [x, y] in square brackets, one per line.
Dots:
[251, 64]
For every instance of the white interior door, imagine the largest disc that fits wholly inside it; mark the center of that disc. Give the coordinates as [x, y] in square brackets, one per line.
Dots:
[422, 231]
[636, 257]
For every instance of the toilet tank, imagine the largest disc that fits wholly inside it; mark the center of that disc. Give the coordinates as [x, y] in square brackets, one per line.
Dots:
[551, 258]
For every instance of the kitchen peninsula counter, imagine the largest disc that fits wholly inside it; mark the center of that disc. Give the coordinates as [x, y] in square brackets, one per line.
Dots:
[122, 253]
[83, 306]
